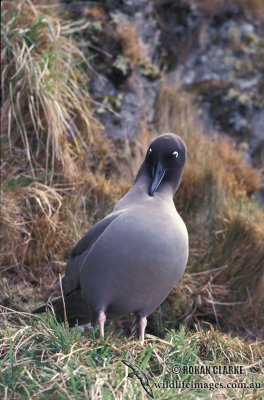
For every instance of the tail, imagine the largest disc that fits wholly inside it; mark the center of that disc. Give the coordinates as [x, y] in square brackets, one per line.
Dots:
[73, 309]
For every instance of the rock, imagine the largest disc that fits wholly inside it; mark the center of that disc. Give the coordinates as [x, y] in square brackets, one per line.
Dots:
[216, 51]
[133, 86]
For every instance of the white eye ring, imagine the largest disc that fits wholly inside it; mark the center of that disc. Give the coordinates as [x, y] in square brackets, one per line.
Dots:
[175, 154]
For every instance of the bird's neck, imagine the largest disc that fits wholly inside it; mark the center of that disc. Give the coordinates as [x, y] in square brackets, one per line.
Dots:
[143, 180]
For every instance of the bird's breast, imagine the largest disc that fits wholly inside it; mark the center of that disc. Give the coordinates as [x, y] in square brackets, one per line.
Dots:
[145, 241]
[137, 260]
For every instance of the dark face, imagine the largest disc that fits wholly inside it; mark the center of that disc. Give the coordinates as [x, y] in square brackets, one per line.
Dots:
[165, 159]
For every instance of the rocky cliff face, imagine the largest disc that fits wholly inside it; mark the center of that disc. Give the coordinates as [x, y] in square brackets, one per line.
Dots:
[216, 52]
[123, 40]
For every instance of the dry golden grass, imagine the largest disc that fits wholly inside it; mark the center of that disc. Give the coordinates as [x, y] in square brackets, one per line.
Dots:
[93, 11]
[46, 112]
[40, 224]
[55, 160]
[127, 35]
[214, 158]
[226, 227]
[29, 225]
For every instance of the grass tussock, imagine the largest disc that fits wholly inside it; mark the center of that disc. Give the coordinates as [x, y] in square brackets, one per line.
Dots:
[225, 225]
[131, 49]
[56, 164]
[69, 364]
[40, 224]
[29, 225]
[46, 110]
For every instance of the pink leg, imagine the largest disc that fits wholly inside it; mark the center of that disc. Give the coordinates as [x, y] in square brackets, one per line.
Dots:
[142, 327]
[139, 326]
[101, 321]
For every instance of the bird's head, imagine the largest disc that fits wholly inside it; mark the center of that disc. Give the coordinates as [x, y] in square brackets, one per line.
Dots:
[164, 163]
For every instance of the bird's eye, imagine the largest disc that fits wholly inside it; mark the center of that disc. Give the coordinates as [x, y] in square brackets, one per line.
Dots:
[150, 151]
[175, 154]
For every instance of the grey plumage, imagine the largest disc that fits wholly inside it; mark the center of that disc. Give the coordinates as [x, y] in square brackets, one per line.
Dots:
[130, 260]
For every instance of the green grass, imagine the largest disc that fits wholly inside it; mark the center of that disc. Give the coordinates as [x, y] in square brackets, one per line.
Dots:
[43, 359]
